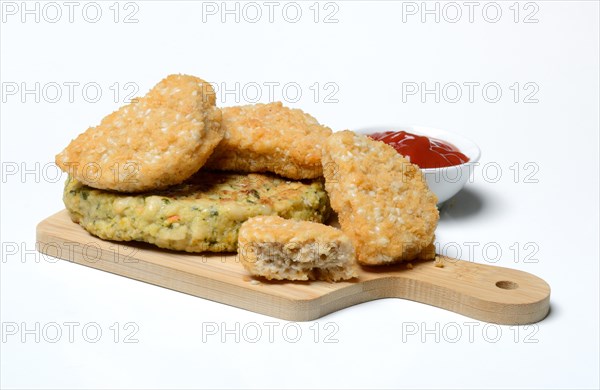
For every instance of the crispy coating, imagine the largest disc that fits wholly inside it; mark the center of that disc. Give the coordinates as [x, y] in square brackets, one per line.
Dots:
[202, 214]
[156, 141]
[382, 200]
[277, 248]
[270, 138]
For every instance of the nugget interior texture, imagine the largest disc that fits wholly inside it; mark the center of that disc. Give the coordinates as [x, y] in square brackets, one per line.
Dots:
[270, 138]
[202, 214]
[277, 248]
[156, 141]
[382, 200]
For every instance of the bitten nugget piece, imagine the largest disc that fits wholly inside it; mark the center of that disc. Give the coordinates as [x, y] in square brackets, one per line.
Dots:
[270, 138]
[382, 200]
[278, 248]
[158, 140]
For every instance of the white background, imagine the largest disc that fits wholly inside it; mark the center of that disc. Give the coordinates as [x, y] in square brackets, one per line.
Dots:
[367, 55]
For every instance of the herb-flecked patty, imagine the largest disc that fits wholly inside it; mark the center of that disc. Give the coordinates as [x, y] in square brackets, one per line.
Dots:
[202, 214]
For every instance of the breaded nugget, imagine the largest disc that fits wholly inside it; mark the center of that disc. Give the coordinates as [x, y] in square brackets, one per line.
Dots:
[277, 248]
[382, 200]
[270, 138]
[202, 214]
[157, 141]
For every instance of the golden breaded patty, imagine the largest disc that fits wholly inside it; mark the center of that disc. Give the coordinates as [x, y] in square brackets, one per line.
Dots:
[156, 141]
[382, 200]
[202, 214]
[277, 248]
[270, 138]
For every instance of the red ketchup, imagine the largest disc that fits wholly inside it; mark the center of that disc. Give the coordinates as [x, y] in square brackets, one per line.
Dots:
[423, 151]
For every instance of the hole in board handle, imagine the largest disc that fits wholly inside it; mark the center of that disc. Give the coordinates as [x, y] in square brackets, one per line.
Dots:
[507, 285]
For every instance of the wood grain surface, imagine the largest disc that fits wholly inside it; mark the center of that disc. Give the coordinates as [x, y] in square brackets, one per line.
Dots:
[484, 292]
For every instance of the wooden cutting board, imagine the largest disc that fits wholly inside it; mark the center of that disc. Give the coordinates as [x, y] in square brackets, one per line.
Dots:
[484, 292]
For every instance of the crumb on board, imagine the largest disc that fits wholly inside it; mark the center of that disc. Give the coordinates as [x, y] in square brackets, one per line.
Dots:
[439, 262]
[409, 266]
[254, 282]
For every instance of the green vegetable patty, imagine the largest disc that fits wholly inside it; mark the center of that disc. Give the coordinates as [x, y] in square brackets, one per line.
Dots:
[202, 214]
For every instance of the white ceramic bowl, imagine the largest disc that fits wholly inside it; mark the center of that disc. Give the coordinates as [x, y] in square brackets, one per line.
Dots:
[444, 182]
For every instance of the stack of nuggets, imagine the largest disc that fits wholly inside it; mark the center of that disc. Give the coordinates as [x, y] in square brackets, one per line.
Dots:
[137, 175]
[141, 175]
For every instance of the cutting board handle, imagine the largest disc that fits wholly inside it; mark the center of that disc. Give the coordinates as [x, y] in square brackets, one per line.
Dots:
[485, 292]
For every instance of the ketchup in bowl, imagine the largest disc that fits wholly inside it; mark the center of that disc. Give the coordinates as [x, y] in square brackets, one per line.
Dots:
[423, 151]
